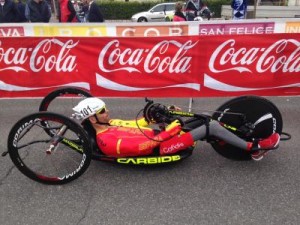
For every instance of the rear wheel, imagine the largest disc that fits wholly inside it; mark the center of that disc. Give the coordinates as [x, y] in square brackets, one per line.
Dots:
[29, 148]
[62, 100]
[258, 111]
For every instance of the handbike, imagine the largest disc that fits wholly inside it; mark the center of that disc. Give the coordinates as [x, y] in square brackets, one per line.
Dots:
[54, 148]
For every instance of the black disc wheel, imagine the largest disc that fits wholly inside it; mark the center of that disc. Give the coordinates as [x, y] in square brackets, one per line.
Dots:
[240, 112]
[49, 159]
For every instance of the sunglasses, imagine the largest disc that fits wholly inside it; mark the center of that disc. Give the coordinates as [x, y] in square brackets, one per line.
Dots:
[101, 111]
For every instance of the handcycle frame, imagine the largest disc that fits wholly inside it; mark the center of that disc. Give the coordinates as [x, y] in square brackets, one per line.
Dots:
[247, 116]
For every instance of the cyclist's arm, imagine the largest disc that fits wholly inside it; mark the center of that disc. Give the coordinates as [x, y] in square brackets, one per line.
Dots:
[129, 123]
[133, 144]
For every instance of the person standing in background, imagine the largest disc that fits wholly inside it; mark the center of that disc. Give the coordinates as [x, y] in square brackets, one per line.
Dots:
[239, 8]
[66, 11]
[37, 11]
[21, 7]
[178, 16]
[9, 12]
[94, 13]
[192, 8]
[84, 10]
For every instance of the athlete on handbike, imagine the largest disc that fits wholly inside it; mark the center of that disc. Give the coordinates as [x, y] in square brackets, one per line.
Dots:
[120, 138]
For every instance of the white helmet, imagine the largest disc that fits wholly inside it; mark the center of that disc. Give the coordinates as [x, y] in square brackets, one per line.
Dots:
[88, 107]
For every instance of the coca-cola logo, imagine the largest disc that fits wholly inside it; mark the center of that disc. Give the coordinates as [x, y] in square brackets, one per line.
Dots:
[114, 57]
[48, 55]
[282, 56]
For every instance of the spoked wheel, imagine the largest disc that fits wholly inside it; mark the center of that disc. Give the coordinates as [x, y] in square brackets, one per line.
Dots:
[62, 100]
[252, 110]
[29, 148]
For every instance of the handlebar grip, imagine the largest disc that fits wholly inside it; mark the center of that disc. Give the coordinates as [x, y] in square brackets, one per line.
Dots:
[156, 113]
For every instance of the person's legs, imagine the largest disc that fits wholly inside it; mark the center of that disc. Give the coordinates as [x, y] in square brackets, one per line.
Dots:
[216, 130]
[183, 141]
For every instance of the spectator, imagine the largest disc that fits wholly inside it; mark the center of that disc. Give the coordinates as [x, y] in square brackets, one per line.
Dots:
[9, 12]
[66, 11]
[84, 10]
[178, 16]
[50, 3]
[94, 13]
[192, 8]
[21, 8]
[37, 11]
[239, 9]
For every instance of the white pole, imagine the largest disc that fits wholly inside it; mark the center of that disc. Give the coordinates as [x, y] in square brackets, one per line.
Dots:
[190, 104]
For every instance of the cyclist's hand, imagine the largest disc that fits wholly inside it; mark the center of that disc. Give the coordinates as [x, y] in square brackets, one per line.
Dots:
[174, 127]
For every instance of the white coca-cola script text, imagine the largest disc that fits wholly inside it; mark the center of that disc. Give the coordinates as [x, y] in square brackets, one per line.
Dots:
[157, 59]
[48, 55]
[282, 56]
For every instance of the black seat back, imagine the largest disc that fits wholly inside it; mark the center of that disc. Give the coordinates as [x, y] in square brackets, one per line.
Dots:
[91, 134]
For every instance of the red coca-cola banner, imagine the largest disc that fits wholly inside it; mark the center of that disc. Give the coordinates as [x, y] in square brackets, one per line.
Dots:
[182, 66]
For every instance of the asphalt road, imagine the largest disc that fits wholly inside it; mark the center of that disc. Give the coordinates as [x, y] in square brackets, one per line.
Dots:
[203, 189]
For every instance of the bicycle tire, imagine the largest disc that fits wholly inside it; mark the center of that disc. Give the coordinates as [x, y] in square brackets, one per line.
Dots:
[70, 96]
[65, 92]
[253, 107]
[27, 147]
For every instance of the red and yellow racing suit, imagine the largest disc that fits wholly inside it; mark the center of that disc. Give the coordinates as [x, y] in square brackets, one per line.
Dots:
[124, 138]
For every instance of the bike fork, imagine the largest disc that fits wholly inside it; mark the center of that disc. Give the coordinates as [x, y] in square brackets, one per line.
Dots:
[56, 139]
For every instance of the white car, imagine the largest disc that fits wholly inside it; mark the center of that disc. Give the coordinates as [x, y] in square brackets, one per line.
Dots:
[156, 13]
